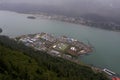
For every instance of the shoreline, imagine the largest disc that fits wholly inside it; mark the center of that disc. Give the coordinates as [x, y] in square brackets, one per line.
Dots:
[110, 26]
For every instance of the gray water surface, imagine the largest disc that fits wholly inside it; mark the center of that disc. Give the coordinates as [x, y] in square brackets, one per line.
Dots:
[107, 43]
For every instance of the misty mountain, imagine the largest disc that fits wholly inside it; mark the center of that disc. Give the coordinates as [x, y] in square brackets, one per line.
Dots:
[100, 18]
[99, 9]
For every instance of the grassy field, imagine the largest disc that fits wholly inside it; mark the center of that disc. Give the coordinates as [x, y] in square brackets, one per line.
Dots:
[61, 46]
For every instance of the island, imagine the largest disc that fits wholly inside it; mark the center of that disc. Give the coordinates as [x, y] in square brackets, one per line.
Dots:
[0, 30]
[31, 17]
[61, 46]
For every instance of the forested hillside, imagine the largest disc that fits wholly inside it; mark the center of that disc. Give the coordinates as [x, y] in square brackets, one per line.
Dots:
[18, 62]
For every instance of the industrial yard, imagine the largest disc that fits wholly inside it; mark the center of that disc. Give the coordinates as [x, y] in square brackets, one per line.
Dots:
[57, 46]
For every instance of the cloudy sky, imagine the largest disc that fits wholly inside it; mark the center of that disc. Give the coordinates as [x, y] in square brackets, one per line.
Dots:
[103, 7]
[113, 3]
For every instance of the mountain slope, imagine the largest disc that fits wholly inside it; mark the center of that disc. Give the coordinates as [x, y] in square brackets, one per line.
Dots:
[18, 62]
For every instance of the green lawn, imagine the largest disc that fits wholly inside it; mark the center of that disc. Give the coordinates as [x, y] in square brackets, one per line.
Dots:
[61, 46]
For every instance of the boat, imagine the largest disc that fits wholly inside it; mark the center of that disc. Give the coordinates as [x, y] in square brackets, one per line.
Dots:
[109, 72]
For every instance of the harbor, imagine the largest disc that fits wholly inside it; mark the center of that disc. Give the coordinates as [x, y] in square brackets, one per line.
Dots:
[61, 46]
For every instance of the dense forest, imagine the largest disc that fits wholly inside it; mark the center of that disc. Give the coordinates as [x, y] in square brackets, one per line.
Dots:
[18, 62]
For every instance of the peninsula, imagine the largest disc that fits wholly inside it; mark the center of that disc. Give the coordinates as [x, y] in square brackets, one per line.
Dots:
[62, 46]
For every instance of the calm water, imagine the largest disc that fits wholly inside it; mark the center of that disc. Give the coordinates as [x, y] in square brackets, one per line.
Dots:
[106, 43]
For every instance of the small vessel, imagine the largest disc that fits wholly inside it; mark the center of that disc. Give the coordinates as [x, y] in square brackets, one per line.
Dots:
[109, 72]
